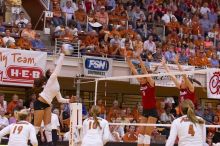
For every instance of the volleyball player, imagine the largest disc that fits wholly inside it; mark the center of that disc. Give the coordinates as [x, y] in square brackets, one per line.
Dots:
[148, 101]
[20, 132]
[48, 88]
[96, 130]
[189, 128]
[186, 87]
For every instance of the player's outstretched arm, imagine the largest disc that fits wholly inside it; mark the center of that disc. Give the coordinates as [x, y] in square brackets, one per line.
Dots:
[186, 79]
[176, 82]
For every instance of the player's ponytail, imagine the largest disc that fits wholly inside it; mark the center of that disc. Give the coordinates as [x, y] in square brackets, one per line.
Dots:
[188, 109]
[95, 111]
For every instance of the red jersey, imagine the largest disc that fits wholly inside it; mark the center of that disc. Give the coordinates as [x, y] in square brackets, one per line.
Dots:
[187, 94]
[148, 96]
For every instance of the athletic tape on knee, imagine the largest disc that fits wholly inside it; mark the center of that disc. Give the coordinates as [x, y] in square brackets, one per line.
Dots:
[140, 139]
[48, 127]
[147, 139]
[37, 129]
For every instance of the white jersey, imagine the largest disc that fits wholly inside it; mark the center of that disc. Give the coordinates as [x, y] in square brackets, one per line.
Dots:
[189, 134]
[52, 87]
[95, 136]
[20, 133]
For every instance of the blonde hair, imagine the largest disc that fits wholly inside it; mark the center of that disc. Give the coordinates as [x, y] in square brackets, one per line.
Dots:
[188, 109]
[95, 111]
[22, 114]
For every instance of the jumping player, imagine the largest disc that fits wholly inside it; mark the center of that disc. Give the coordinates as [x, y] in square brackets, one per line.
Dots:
[21, 131]
[48, 88]
[95, 129]
[186, 87]
[148, 101]
[189, 128]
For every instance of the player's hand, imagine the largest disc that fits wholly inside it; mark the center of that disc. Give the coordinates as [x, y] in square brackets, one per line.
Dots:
[73, 99]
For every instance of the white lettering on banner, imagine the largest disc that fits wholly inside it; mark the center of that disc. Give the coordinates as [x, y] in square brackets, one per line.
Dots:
[21, 67]
[165, 81]
[97, 64]
[213, 84]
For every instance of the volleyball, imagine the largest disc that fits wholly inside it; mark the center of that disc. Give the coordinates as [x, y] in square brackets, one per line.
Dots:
[67, 49]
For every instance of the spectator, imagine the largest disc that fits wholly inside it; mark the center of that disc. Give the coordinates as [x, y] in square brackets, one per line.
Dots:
[204, 9]
[68, 11]
[24, 43]
[130, 136]
[214, 61]
[218, 110]
[21, 22]
[81, 17]
[102, 107]
[206, 25]
[2, 27]
[8, 39]
[20, 105]
[167, 117]
[12, 104]
[183, 58]
[113, 110]
[115, 137]
[29, 32]
[170, 54]
[102, 16]
[207, 116]
[137, 14]
[199, 111]
[57, 19]
[37, 43]
[3, 103]
[150, 46]
[167, 17]
[3, 120]
[213, 16]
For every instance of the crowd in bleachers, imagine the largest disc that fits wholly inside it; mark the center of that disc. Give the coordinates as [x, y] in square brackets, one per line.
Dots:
[148, 28]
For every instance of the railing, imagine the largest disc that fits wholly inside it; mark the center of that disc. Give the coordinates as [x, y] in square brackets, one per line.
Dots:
[46, 4]
[76, 46]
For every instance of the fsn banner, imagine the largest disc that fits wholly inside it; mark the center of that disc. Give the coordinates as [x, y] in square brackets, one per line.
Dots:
[21, 67]
[97, 66]
[213, 84]
[165, 81]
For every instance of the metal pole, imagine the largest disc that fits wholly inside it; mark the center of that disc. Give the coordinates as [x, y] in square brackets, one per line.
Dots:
[96, 88]
[78, 88]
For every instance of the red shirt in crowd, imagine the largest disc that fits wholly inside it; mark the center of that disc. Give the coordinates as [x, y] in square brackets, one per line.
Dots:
[148, 96]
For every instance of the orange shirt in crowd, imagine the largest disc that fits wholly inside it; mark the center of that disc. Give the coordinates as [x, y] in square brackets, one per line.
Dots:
[130, 137]
[24, 44]
[102, 17]
[11, 106]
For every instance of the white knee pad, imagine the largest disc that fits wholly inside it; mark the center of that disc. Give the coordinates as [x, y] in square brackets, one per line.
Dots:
[37, 129]
[48, 127]
[140, 139]
[147, 139]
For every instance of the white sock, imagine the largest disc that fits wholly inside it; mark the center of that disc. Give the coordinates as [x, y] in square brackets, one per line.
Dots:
[48, 135]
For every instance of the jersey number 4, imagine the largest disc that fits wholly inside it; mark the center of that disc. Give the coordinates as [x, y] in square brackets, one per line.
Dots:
[191, 130]
[17, 129]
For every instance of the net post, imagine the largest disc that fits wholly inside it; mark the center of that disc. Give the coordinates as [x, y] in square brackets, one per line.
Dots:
[75, 123]
[96, 88]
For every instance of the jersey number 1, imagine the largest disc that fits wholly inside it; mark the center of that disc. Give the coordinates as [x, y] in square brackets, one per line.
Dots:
[92, 125]
[191, 130]
[18, 129]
